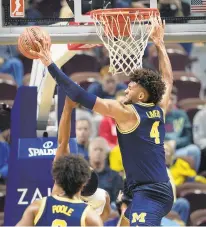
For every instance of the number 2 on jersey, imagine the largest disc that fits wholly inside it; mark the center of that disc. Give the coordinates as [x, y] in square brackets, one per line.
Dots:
[59, 223]
[154, 133]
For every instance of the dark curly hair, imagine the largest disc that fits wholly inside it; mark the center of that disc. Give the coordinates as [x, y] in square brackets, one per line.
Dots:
[151, 81]
[70, 173]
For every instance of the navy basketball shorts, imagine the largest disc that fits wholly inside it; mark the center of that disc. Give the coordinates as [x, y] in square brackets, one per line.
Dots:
[150, 203]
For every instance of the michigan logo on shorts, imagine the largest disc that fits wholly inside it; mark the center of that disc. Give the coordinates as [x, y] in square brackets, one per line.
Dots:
[138, 217]
[17, 8]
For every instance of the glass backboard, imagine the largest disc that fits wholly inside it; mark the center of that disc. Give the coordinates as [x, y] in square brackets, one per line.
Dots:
[185, 20]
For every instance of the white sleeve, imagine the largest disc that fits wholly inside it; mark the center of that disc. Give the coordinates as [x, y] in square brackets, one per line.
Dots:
[97, 201]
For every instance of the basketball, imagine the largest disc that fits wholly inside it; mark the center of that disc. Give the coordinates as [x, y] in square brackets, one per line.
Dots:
[26, 41]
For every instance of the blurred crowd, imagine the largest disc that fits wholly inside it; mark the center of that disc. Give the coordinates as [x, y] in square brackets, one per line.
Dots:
[96, 136]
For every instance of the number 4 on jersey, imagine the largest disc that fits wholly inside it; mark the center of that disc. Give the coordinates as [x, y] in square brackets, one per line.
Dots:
[154, 133]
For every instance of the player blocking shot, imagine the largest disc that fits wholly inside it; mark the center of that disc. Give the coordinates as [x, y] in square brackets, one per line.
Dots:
[69, 204]
[140, 128]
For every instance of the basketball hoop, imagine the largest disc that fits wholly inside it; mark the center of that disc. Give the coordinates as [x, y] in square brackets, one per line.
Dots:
[125, 33]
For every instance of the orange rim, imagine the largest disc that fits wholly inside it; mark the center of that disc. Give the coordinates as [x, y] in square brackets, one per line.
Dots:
[144, 13]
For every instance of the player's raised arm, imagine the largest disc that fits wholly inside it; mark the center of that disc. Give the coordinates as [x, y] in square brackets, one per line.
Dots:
[65, 129]
[165, 68]
[105, 107]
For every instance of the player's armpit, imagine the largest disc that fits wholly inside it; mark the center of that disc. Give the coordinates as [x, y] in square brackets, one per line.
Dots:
[29, 214]
[93, 219]
[114, 109]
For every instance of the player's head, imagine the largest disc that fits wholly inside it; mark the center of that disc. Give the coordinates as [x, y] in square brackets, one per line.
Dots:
[71, 173]
[145, 86]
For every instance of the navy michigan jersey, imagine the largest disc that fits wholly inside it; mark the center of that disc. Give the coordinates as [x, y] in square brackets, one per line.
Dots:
[59, 211]
[142, 147]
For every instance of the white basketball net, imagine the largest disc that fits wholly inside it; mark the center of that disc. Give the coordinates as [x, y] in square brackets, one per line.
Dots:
[125, 50]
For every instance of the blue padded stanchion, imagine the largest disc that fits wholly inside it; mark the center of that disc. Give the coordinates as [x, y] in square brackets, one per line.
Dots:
[30, 160]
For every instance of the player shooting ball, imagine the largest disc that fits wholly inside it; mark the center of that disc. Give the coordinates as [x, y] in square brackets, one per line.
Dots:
[140, 129]
[75, 199]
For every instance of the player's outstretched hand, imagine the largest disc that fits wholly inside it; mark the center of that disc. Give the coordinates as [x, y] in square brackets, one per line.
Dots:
[157, 35]
[44, 53]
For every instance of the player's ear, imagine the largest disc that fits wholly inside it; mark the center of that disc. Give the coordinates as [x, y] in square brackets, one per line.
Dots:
[141, 96]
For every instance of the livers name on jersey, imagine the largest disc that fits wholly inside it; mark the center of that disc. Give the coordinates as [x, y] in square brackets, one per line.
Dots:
[153, 114]
[62, 209]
